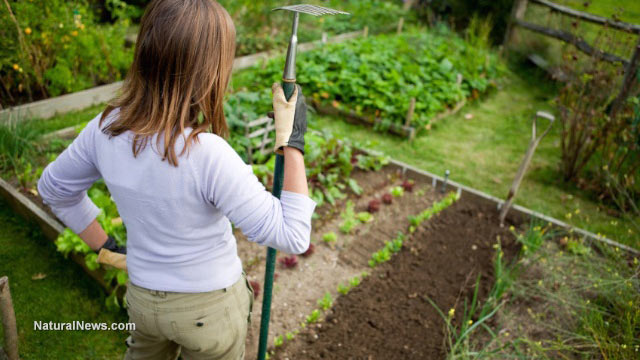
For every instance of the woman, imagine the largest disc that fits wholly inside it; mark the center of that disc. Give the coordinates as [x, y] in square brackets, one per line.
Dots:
[178, 186]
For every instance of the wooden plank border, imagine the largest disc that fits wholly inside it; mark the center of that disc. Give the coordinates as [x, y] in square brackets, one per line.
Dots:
[494, 201]
[50, 226]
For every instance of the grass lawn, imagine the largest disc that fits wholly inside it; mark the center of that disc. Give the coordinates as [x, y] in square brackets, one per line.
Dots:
[485, 151]
[66, 294]
[626, 10]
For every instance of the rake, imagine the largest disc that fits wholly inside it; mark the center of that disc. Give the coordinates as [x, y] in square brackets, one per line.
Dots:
[288, 85]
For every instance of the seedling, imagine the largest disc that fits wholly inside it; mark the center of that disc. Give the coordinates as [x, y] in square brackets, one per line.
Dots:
[310, 251]
[343, 289]
[349, 217]
[387, 198]
[365, 217]
[374, 206]
[407, 185]
[278, 341]
[326, 302]
[313, 317]
[289, 262]
[330, 238]
[397, 191]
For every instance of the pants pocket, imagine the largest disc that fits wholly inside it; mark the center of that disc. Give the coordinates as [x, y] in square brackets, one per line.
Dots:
[251, 297]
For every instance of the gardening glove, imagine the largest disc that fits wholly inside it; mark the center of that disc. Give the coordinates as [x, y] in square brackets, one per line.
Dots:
[111, 245]
[290, 118]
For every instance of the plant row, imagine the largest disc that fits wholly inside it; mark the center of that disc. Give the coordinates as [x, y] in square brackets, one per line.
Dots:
[377, 76]
[379, 257]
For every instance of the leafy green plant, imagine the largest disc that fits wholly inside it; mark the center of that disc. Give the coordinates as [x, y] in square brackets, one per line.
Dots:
[313, 317]
[67, 50]
[416, 220]
[364, 217]
[326, 302]
[330, 238]
[384, 254]
[278, 341]
[349, 218]
[436, 67]
[397, 191]
[343, 289]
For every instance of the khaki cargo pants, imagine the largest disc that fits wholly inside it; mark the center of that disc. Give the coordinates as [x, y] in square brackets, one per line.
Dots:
[211, 325]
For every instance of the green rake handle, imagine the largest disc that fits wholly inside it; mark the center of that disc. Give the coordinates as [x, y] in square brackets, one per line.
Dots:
[278, 175]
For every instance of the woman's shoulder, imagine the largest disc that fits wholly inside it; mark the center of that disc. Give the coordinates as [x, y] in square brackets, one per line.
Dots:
[210, 146]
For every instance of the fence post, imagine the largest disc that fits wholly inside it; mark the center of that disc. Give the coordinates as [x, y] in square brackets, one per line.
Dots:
[400, 25]
[629, 78]
[517, 13]
[8, 320]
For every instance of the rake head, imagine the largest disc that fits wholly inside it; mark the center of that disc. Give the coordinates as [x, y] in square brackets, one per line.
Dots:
[311, 10]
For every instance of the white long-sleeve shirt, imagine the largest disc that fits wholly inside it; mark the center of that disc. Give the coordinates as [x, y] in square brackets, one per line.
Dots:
[179, 234]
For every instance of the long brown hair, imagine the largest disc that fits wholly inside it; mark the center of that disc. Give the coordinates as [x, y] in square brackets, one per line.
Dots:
[180, 72]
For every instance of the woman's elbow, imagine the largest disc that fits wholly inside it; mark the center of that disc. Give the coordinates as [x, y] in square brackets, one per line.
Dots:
[299, 242]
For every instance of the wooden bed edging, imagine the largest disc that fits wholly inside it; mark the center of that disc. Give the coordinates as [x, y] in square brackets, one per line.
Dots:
[50, 226]
[517, 209]
[47, 108]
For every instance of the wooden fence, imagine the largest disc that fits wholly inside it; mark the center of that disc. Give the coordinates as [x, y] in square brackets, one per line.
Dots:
[631, 65]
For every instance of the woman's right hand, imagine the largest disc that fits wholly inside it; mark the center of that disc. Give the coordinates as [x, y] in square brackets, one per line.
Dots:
[290, 118]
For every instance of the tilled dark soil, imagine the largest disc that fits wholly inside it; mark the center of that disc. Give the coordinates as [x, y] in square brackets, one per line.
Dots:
[388, 316]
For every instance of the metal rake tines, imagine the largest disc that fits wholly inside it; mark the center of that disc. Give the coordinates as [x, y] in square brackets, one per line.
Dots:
[312, 10]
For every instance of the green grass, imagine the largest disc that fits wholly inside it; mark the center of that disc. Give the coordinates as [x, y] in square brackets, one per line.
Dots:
[612, 41]
[69, 119]
[66, 294]
[484, 152]
[627, 10]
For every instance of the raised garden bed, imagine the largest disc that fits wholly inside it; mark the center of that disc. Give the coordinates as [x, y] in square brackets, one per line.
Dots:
[400, 83]
[440, 264]
[347, 241]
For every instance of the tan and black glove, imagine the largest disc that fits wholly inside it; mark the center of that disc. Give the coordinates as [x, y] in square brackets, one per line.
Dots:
[290, 118]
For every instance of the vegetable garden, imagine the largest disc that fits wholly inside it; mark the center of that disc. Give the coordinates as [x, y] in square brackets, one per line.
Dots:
[399, 256]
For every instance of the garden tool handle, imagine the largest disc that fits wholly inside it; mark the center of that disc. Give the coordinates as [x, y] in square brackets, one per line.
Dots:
[117, 260]
[288, 86]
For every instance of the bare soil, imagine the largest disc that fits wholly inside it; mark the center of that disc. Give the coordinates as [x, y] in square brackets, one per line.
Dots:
[388, 316]
[296, 291]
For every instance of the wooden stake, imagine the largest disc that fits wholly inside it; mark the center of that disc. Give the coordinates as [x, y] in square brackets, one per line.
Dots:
[407, 5]
[8, 320]
[412, 109]
[400, 25]
[365, 32]
[533, 144]
[517, 13]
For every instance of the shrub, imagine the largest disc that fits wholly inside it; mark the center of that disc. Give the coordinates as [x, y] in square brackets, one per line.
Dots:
[48, 48]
